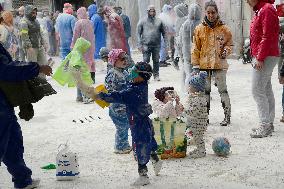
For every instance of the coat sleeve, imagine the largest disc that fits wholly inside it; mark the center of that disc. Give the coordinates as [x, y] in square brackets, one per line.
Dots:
[76, 34]
[229, 43]
[196, 48]
[186, 42]
[139, 33]
[269, 22]
[164, 34]
[24, 32]
[122, 97]
[18, 71]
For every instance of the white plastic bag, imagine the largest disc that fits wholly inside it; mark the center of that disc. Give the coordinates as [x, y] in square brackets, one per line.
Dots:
[67, 164]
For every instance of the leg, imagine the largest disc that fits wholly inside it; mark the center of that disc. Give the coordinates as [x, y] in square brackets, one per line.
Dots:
[41, 59]
[220, 80]
[122, 125]
[93, 76]
[155, 58]
[79, 97]
[163, 55]
[12, 146]
[208, 90]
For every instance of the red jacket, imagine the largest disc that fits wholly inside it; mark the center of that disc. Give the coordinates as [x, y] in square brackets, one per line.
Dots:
[264, 31]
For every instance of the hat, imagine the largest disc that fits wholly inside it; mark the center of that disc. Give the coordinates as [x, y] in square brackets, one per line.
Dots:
[104, 52]
[151, 7]
[144, 70]
[114, 55]
[198, 81]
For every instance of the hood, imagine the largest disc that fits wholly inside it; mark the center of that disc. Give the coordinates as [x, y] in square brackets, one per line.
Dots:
[181, 10]
[92, 9]
[167, 8]
[82, 13]
[82, 45]
[108, 10]
[28, 11]
[7, 17]
[194, 12]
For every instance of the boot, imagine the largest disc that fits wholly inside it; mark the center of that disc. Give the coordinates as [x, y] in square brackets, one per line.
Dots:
[272, 128]
[226, 121]
[156, 162]
[175, 63]
[262, 131]
[143, 178]
[34, 184]
[282, 119]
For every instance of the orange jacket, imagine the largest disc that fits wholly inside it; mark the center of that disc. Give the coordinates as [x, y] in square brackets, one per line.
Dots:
[208, 45]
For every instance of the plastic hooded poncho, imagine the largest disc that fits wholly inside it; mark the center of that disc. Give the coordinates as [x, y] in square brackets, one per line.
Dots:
[84, 28]
[181, 11]
[99, 30]
[65, 24]
[43, 27]
[73, 61]
[115, 30]
[187, 31]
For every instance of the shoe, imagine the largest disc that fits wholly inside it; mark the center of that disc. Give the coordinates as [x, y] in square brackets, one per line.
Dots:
[141, 181]
[262, 131]
[272, 128]
[226, 122]
[79, 99]
[34, 184]
[125, 151]
[157, 167]
[197, 154]
[157, 78]
[87, 100]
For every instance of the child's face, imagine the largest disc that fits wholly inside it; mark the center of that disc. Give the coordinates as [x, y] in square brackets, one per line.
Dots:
[191, 90]
[121, 63]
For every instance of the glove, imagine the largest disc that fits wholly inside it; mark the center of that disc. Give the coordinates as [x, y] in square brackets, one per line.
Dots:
[26, 112]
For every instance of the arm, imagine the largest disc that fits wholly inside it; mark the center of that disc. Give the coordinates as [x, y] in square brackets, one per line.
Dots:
[196, 48]
[76, 34]
[24, 32]
[122, 97]
[128, 26]
[229, 43]
[186, 43]
[139, 34]
[164, 34]
[268, 21]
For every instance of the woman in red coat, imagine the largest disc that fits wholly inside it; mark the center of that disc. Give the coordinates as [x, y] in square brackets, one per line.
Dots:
[115, 30]
[264, 37]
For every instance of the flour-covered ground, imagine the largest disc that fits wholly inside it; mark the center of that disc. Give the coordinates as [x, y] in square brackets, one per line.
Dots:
[254, 163]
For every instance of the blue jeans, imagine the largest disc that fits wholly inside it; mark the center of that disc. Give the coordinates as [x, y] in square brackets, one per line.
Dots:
[12, 148]
[163, 50]
[154, 51]
[121, 123]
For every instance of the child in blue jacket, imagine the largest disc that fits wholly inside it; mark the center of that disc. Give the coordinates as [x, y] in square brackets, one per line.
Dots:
[138, 109]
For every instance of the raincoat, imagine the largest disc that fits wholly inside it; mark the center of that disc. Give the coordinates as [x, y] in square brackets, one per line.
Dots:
[84, 28]
[135, 97]
[208, 44]
[43, 27]
[65, 24]
[30, 31]
[115, 30]
[99, 30]
[74, 60]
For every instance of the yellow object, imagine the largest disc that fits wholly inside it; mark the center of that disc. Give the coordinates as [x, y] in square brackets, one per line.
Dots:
[101, 89]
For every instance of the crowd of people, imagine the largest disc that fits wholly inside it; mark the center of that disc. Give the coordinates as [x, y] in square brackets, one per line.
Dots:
[199, 49]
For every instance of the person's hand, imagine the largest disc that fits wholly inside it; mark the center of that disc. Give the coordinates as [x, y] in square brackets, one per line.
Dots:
[281, 80]
[46, 70]
[224, 54]
[259, 65]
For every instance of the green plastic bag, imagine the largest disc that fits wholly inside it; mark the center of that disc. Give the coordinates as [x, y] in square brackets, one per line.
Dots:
[74, 61]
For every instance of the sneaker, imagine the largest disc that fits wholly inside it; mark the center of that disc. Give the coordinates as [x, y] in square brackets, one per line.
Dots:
[272, 128]
[87, 100]
[125, 151]
[156, 78]
[141, 181]
[157, 167]
[197, 154]
[225, 122]
[262, 131]
[34, 184]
